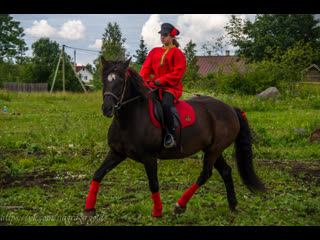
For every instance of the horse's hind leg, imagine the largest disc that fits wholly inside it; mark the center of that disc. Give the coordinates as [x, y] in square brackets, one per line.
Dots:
[112, 160]
[208, 163]
[225, 172]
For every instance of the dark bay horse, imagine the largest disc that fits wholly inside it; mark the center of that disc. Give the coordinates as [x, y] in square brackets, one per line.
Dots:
[132, 134]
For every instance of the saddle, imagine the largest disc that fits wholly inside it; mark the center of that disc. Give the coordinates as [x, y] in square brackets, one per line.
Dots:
[183, 114]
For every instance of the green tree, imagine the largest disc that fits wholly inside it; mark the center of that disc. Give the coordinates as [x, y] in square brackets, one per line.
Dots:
[216, 48]
[44, 59]
[142, 52]
[42, 66]
[112, 43]
[9, 72]
[96, 75]
[282, 69]
[272, 30]
[191, 75]
[112, 49]
[12, 49]
[285, 66]
[12, 45]
[45, 51]
[71, 81]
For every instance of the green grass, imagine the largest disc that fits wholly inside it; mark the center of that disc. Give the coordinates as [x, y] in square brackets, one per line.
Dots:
[50, 146]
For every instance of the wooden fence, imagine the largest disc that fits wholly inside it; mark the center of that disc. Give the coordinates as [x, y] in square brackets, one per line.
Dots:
[26, 87]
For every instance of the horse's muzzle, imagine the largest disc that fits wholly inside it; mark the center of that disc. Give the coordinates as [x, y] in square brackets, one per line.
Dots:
[107, 111]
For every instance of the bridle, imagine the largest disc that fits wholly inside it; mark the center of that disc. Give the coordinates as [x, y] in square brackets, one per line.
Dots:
[119, 101]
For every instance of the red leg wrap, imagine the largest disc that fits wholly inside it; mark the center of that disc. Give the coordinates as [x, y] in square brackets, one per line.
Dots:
[187, 195]
[92, 197]
[157, 204]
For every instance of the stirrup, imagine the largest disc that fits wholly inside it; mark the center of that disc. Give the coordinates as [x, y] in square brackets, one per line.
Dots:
[168, 143]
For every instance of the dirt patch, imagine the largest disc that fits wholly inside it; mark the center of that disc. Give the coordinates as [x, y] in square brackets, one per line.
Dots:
[304, 170]
[44, 180]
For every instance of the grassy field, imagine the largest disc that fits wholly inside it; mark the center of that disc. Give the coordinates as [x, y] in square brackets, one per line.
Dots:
[50, 146]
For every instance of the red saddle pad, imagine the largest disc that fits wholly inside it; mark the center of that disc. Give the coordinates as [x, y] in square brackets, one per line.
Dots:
[186, 114]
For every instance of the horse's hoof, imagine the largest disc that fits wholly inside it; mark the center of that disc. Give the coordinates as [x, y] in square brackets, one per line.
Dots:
[87, 213]
[179, 209]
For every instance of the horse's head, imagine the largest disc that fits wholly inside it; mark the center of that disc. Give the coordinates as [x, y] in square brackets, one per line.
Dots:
[114, 81]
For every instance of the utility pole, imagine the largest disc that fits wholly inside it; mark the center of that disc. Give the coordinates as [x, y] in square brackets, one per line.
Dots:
[63, 56]
[63, 72]
[55, 74]
[75, 73]
[75, 62]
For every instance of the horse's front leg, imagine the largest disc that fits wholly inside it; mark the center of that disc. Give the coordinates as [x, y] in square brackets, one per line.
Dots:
[111, 161]
[151, 167]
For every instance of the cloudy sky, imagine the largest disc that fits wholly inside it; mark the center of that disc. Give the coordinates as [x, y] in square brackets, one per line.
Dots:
[85, 30]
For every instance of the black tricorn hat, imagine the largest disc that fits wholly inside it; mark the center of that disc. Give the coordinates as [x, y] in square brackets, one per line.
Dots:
[167, 28]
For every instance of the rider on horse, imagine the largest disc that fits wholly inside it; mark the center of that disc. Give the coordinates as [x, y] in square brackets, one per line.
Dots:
[167, 64]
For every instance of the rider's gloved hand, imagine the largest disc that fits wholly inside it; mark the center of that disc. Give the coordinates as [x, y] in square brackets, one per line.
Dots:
[157, 83]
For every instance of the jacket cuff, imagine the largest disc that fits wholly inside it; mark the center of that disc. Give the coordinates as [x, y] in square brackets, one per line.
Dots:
[151, 84]
[163, 81]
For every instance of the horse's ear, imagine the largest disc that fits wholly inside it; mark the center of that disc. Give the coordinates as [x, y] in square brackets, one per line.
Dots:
[106, 63]
[103, 61]
[127, 62]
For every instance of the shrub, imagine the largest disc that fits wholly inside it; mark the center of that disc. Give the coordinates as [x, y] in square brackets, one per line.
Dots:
[283, 71]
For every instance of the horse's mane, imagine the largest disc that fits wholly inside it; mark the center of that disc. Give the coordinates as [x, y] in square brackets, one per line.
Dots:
[139, 84]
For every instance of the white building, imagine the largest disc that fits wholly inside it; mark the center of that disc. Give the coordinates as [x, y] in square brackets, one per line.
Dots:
[84, 74]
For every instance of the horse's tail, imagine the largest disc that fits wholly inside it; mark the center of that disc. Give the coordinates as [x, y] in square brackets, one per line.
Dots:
[244, 155]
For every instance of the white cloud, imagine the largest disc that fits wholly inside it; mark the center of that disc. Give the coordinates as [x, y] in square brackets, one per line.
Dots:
[97, 44]
[72, 30]
[41, 29]
[150, 31]
[200, 28]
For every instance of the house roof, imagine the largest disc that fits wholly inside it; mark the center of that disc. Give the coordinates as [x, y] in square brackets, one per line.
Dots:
[78, 68]
[312, 66]
[214, 63]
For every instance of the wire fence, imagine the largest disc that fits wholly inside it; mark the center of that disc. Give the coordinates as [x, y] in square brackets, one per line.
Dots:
[25, 87]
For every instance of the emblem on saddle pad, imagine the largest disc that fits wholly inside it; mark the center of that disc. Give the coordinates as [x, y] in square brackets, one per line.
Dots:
[188, 118]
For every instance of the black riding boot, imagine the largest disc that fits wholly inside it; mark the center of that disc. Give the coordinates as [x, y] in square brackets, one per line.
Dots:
[167, 103]
[169, 140]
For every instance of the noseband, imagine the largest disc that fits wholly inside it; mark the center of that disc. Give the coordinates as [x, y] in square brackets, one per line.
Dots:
[119, 103]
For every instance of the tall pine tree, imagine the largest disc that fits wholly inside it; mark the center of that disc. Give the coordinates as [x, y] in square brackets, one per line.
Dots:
[12, 45]
[112, 49]
[191, 75]
[112, 43]
[142, 52]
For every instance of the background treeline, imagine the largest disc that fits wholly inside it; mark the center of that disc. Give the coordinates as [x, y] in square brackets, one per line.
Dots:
[275, 47]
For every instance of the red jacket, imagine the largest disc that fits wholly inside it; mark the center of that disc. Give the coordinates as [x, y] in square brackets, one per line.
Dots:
[168, 64]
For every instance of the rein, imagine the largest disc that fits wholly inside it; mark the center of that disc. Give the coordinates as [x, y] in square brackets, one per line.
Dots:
[120, 102]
